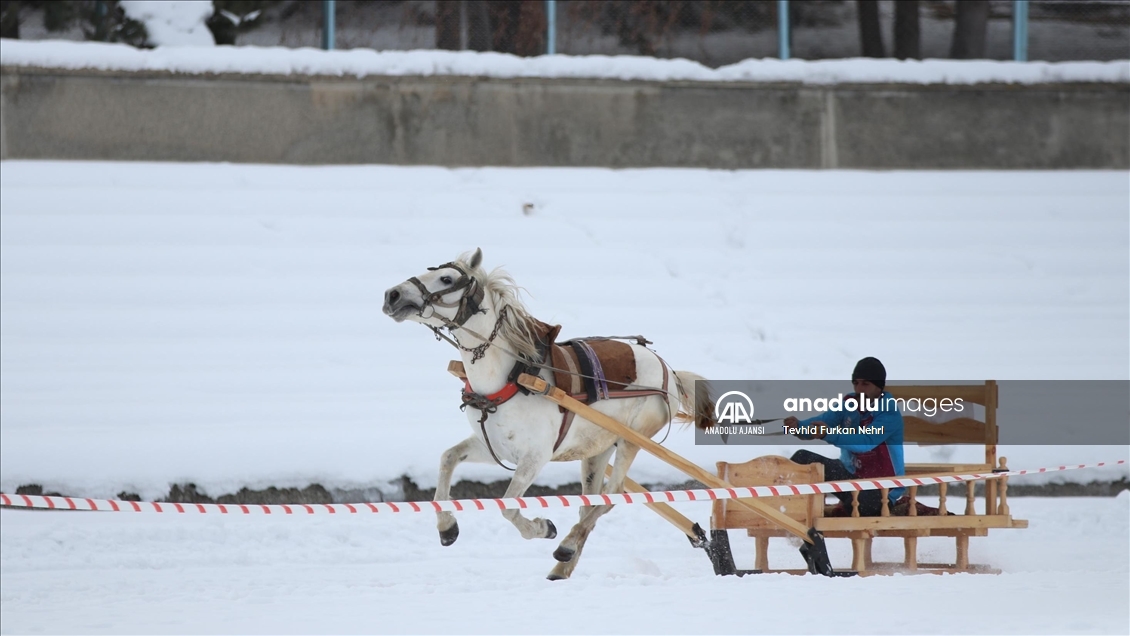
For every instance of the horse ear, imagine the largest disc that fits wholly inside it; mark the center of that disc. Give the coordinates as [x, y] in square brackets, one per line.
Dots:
[477, 258]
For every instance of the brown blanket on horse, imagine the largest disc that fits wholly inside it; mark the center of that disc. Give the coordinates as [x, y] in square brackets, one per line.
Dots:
[616, 360]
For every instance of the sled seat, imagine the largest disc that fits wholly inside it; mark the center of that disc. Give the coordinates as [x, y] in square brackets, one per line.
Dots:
[910, 519]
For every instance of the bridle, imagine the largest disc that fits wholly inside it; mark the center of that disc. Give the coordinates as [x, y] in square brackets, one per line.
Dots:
[469, 304]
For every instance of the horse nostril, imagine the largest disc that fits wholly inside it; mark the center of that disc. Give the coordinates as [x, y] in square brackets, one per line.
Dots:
[393, 296]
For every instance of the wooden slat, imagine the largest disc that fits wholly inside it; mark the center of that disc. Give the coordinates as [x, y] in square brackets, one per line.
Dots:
[919, 470]
[976, 393]
[932, 532]
[962, 430]
[912, 523]
[663, 510]
[557, 396]
[770, 470]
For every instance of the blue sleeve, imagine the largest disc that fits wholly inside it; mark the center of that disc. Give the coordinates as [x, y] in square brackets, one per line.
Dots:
[831, 418]
[891, 421]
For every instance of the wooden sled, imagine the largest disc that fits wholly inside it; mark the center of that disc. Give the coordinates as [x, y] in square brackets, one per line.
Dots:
[974, 519]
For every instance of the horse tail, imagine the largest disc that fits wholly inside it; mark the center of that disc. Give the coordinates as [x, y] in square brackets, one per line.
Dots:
[694, 405]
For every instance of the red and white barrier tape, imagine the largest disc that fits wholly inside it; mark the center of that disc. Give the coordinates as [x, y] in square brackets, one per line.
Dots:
[552, 501]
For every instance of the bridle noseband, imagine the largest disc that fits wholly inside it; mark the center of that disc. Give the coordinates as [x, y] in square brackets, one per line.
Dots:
[469, 304]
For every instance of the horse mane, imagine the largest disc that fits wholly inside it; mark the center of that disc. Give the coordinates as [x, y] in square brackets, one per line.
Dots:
[517, 329]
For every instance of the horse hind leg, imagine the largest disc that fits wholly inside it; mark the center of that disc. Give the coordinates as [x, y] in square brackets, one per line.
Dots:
[625, 455]
[592, 480]
[470, 449]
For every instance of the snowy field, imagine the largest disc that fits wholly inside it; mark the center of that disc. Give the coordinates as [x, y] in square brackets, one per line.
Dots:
[221, 325]
[105, 573]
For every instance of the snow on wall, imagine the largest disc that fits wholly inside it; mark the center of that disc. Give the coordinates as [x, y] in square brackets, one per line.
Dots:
[365, 62]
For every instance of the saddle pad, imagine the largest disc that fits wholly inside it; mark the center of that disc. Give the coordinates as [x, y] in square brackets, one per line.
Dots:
[617, 360]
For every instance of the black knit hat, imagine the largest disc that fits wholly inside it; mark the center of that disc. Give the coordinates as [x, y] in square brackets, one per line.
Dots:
[872, 370]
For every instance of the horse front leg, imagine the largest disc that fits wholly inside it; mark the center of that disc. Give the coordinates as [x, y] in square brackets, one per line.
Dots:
[625, 455]
[524, 475]
[470, 450]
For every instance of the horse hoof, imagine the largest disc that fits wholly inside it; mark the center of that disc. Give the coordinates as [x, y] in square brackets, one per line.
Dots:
[447, 537]
[556, 577]
[550, 530]
[564, 554]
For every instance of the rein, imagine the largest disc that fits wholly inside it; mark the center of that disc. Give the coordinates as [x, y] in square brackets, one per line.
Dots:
[476, 352]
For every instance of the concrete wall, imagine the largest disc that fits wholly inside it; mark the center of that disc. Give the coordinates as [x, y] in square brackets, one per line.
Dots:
[468, 121]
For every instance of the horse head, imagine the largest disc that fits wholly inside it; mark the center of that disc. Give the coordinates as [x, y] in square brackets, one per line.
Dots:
[460, 296]
[446, 295]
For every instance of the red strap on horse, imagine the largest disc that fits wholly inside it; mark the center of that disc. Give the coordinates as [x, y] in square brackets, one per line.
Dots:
[498, 397]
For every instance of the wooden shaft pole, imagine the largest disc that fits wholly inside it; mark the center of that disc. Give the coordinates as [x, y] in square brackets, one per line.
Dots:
[556, 395]
[662, 509]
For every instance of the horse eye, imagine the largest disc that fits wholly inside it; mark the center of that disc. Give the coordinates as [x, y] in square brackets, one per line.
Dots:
[446, 280]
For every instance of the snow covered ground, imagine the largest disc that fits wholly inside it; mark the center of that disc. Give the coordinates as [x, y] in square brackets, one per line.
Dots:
[107, 573]
[220, 324]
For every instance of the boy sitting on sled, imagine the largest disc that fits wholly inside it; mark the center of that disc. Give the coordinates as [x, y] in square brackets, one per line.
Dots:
[863, 455]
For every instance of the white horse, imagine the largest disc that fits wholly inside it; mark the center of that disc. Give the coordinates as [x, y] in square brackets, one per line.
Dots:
[493, 331]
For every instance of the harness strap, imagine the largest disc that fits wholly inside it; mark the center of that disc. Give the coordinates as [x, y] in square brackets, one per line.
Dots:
[567, 415]
[575, 378]
[600, 380]
[566, 424]
[488, 404]
[586, 364]
[620, 395]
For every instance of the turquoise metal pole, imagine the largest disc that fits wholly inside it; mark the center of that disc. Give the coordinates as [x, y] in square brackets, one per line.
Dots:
[551, 27]
[1020, 30]
[783, 29]
[328, 24]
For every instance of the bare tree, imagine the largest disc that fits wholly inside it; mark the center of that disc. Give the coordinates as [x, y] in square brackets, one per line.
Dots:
[870, 35]
[9, 19]
[907, 38]
[970, 26]
[478, 25]
[517, 27]
[447, 25]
